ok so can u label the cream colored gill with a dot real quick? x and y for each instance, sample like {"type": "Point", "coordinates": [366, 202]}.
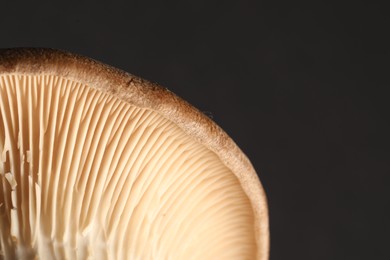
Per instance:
{"type": "Point", "coordinates": [84, 174]}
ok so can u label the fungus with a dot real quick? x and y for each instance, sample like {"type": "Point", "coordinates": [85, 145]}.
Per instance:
{"type": "Point", "coordinates": [97, 163]}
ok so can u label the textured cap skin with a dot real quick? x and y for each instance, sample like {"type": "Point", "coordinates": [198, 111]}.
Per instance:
{"type": "Point", "coordinates": [144, 94]}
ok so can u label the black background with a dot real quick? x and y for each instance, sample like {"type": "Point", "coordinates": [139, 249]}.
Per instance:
{"type": "Point", "coordinates": [301, 88]}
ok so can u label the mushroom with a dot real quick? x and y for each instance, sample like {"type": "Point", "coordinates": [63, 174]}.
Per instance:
{"type": "Point", "coordinates": [97, 163]}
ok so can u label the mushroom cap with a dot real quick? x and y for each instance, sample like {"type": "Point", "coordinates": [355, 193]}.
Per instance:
{"type": "Point", "coordinates": [128, 96]}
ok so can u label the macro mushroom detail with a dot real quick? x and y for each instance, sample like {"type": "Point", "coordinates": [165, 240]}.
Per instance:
{"type": "Point", "coordinates": [96, 163]}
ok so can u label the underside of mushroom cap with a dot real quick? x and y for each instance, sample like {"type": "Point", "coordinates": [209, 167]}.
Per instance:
{"type": "Point", "coordinates": [95, 162]}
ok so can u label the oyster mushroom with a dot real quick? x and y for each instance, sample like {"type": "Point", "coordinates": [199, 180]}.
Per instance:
{"type": "Point", "coordinates": [97, 163]}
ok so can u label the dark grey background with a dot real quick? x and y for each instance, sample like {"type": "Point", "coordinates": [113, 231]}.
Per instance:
{"type": "Point", "coordinates": [301, 87]}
